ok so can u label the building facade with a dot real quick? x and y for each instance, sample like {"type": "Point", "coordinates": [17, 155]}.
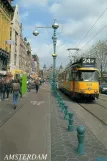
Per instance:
{"type": "Point", "coordinates": [36, 60]}
{"type": "Point", "coordinates": [28, 57]}
{"type": "Point", "coordinates": [15, 37]}
{"type": "Point", "coordinates": [22, 53]}
{"type": "Point", "coordinates": [6, 11]}
{"type": "Point", "coordinates": [25, 56]}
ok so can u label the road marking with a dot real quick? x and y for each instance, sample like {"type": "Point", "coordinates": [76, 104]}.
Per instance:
{"type": "Point", "coordinates": [37, 103]}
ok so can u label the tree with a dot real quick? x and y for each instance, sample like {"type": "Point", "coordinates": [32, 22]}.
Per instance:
{"type": "Point", "coordinates": [25, 39]}
{"type": "Point", "coordinates": [99, 51]}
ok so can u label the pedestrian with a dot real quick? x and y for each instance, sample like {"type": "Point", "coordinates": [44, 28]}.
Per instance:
{"type": "Point", "coordinates": [8, 88]}
{"type": "Point", "coordinates": [0, 89]}
{"type": "Point", "coordinates": [37, 83]}
{"type": "Point", "coordinates": [3, 88]}
{"type": "Point", "coordinates": [16, 89]}
{"type": "Point", "coordinates": [11, 82]}
{"type": "Point", "coordinates": [20, 91]}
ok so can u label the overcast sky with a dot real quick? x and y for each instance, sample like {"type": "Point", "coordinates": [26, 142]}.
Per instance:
{"type": "Point", "coordinates": [75, 18]}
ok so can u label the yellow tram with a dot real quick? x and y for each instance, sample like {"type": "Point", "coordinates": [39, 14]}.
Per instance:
{"type": "Point", "coordinates": [80, 79]}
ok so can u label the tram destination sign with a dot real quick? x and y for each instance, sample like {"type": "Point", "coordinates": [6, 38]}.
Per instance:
{"type": "Point", "coordinates": [88, 62]}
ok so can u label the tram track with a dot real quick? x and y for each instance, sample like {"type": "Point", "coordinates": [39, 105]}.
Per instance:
{"type": "Point", "coordinates": [94, 108]}
{"type": "Point", "coordinates": [103, 99]}
{"type": "Point", "coordinates": [101, 105]}
{"type": "Point", "coordinates": [94, 114]}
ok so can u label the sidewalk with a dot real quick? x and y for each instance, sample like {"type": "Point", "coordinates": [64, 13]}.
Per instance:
{"type": "Point", "coordinates": [7, 108]}
{"type": "Point", "coordinates": [64, 143]}
{"type": "Point", "coordinates": [28, 130]}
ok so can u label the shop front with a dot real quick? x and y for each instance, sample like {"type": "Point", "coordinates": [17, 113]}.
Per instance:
{"type": "Point", "coordinates": [6, 75]}
{"type": "Point", "coordinates": [4, 59]}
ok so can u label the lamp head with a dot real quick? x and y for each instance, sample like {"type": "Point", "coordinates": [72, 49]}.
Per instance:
{"type": "Point", "coordinates": [55, 25]}
{"type": "Point", "coordinates": [35, 33]}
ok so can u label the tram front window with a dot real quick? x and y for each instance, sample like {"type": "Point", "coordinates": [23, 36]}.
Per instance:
{"type": "Point", "coordinates": [88, 76]}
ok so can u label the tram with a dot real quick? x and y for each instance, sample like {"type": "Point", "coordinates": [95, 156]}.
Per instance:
{"type": "Point", "coordinates": [80, 79]}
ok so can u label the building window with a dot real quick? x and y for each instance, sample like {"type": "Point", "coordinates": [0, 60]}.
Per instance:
{"type": "Point", "coordinates": [16, 35]}
{"type": "Point", "coordinates": [16, 38]}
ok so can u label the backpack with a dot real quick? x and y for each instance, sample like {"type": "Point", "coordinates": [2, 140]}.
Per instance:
{"type": "Point", "coordinates": [16, 87]}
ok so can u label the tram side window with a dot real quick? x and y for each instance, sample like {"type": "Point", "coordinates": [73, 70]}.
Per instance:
{"type": "Point", "coordinates": [70, 75]}
{"type": "Point", "coordinates": [77, 76]}
{"type": "Point", "coordinates": [73, 75]}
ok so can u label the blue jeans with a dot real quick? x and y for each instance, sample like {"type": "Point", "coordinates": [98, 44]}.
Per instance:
{"type": "Point", "coordinates": [0, 94]}
{"type": "Point", "coordinates": [15, 97]}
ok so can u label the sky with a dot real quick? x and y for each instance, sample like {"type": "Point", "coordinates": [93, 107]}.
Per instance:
{"type": "Point", "coordinates": [75, 19]}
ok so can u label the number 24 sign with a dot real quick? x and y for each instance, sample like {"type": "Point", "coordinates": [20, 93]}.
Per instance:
{"type": "Point", "coordinates": [88, 60]}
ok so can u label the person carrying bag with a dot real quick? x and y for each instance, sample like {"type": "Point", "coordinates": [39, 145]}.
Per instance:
{"type": "Point", "coordinates": [16, 90]}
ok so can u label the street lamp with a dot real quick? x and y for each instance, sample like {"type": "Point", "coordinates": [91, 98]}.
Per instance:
{"type": "Point", "coordinates": [54, 38]}
{"type": "Point", "coordinates": [35, 33]}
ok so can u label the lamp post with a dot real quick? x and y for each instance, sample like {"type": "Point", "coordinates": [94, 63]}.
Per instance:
{"type": "Point", "coordinates": [54, 38]}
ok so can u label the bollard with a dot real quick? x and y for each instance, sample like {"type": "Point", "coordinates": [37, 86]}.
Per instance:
{"type": "Point", "coordinates": [71, 120]}
{"type": "Point", "coordinates": [81, 136]}
{"type": "Point", "coordinates": [60, 100]}
{"type": "Point", "coordinates": [61, 105]}
{"type": "Point", "coordinates": [66, 112]}
{"type": "Point", "coordinates": [63, 108]}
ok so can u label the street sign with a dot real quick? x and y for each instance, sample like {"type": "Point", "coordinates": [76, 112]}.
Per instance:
{"type": "Point", "coordinates": [10, 42]}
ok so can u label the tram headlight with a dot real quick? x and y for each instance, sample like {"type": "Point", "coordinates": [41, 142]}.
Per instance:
{"type": "Point", "coordinates": [96, 91]}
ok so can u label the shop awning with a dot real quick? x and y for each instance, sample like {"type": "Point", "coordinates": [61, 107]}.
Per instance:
{"type": "Point", "coordinates": [18, 71]}
{"type": "Point", "coordinates": [2, 72]}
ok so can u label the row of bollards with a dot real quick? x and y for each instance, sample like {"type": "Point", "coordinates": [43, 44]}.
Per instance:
{"type": "Point", "coordinates": [70, 117]}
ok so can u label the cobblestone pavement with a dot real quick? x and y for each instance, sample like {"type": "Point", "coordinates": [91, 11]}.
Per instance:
{"type": "Point", "coordinates": [64, 143]}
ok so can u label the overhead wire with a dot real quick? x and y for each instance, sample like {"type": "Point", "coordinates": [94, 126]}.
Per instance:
{"type": "Point", "coordinates": [89, 29]}
{"type": "Point", "coordinates": [94, 36]}
{"type": "Point", "coordinates": [92, 26]}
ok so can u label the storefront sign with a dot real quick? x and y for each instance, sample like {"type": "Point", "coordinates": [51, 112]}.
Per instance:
{"type": "Point", "coordinates": [10, 42]}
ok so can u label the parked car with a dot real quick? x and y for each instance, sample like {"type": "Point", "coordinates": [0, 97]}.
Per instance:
{"type": "Point", "coordinates": [103, 88]}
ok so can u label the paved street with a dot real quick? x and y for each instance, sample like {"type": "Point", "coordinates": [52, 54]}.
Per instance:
{"type": "Point", "coordinates": [38, 127]}
{"type": "Point", "coordinates": [27, 131]}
